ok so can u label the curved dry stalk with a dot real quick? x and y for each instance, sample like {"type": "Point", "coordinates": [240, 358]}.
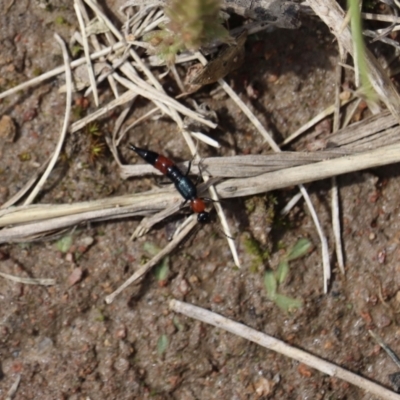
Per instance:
{"type": "Point", "coordinates": [281, 347]}
{"type": "Point", "coordinates": [64, 129]}
{"type": "Point", "coordinates": [17, 196]}
{"type": "Point", "coordinates": [155, 260]}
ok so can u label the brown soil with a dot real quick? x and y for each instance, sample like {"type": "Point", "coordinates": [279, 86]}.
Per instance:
{"type": "Point", "coordinates": [68, 344]}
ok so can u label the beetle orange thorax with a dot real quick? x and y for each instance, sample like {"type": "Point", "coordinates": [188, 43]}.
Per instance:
{"type": "Point", "coordinates": [162, 163]}
{"type": "Point", "coordinates": [197, 205]}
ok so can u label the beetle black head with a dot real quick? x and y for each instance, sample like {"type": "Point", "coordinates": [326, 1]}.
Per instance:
{"type": "Point", "coordinates": [203, 217]}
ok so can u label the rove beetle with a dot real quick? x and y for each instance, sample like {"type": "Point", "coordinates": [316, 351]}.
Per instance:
{"type": "Point", "coordinates": [183, 184]}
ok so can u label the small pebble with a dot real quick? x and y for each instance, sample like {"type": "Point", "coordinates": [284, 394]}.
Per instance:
{"type": "Point", "coordinates": [262, 387]}
{"type": "Point", "coordinates": [7, 129]}
{"type": "Point", "coordinates": [75, 276]}
{"type": "Point", "coordinates": [184, 286]}
{"type": "Point", "coordinates": [372, 236]}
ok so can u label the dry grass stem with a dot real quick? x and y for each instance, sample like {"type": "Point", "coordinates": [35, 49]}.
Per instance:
{"type": "Point", "coordinates": [64, 128]}
{"type": "Point", "coordinates": [326, 266]}
{"type": "Point", "coordinates": [281, 347]}
{"type": "Point", "coordinates": [148, 222]}
{"type": "Point", "coordinates": [352, 110]}
{"type": "Point", "coordinates": [380, 17]}
{"type": "Point", "coordinates": [52, 217]}
{"type": "Point", "coordinates": [308, 173]}
{"type": "Point", "coordinates": [13, 390]}
{"type": "Point", "coordinates": [351, 136]}
{"type": "Point", "coordinates": [205, 139]}
{"type": "Point", "coordinates": [335, 204]}
{"type": "Point", "coordinates": [337, 230]}
{"type": "Point", "coordinates": [155, 260]}
{"type": "Point", "coordinates": [145, 202]}
{"type": "Point", "coordinates": [387, 349]}
{"type": "Point", "coordinates": [293, 201]}
{"type": "Point", "coordinates": [29, 281]}
{"type": "Point", "coordinates": [159, 98]}
{"type": "Point", "coordinates": [78, 5]}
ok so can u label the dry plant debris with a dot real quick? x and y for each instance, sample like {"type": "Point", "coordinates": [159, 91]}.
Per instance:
{"type": "Point", "coordinates": [113, 54]}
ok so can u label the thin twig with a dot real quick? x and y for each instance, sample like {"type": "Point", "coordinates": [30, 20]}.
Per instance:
{"type": "Point", "coordinates": [13, 390]}
{"type": "Point", "coordinates": [326, 266]}
{"type": "Point", "coordinates": [380, 17]}
{"type": "Point", "coordinates": [17, 196]}
{"type": "Point", "coordinates": [155, 260]}
{"type": "Point", "coordinates": [281, 347]}
{"type": "Point", "coordinates": [29, 281]}
{"type": "Point", "coordinates": [385, 347]}
{"type": "Point", "coordinates": [122, 99]}
{"type": "Point", "coordinates": [335, 205]}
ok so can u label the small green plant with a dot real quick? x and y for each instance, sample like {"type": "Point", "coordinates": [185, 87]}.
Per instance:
{"type": "Point", "coordinates": [59, 20]}
{"type": "Point", "coordinates": [162, 270]}
{"type": "Point", "coordinates": [272, 279]}
{"type": "Point", "coordinates": [359, 49]}
{"type": "Point", "coordinates": [162, 344]}
{"type": "Point", "coordinates": [193, 23]}
{"type": "Point", "coordinates": [64, 244]}
{"type": "Point", "coordinates": [97, 147]}
{"type": "Point", "coordinates": [25, 156]}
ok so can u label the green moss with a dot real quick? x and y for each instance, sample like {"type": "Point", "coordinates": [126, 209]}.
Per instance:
{"type": "Point", "coordinates": [25, 156]}
{"type": "Point", "coordinates": [37, 71]}
{"type": "Point", "coordinates": [59, 20]}
{"type": "Point", "coordinates": [253, 247]}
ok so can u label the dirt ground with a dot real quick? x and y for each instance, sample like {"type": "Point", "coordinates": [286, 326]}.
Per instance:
{"type": "Point", "coordinates": [66, 343]}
